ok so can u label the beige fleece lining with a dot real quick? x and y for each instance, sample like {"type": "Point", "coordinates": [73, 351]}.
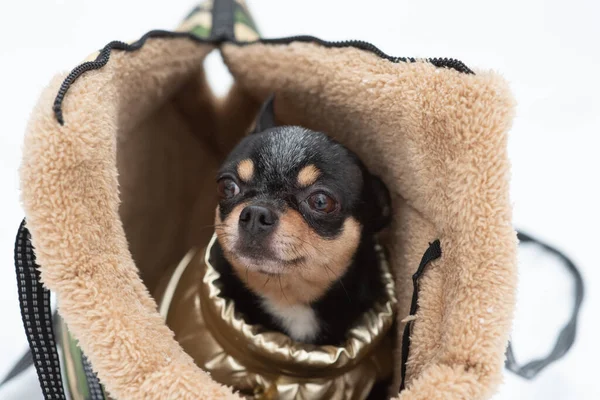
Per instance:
{"type": "Point", "coordinates": [128, 183]}
{"type": "Point", "coordinates": [437, 139]}
{"type": "Point", "coordinates": [71, 198]}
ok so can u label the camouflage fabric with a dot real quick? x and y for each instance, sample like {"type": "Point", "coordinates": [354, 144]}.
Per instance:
{"type": "Point", "coordinates": [73, 367]}
{"type": "Point", "coordinates": [245, 28]}
{"type": "Point", "coordinates": [199, 21]}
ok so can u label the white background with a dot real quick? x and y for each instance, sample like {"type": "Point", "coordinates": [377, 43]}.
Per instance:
{"type": "Point", "coordinates": [547, 50]}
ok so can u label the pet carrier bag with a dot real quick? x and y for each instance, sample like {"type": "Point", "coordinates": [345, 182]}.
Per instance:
{"type": "Point", "coordinates": [118, 185]}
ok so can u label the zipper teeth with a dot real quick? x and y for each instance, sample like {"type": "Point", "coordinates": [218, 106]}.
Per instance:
{"type": "Point", "coordinates": [444, 62]}
{"type": "Point", "coordinates": [102, 59]}
{"type": "Point", "coordinates": [104, 55]}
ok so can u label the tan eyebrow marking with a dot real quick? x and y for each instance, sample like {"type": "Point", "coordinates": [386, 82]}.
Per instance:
{"type": "Point", "coordinates": [245, 169]}
{"type": "Point", "coordinates": [308, 175]}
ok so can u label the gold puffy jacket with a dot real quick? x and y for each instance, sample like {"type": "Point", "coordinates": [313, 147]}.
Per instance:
{"type": "Point", "coordinates": [269, 365]}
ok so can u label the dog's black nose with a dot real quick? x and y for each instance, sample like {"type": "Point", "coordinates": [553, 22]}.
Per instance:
{"type": "Point", "coordinates": [258, 219]}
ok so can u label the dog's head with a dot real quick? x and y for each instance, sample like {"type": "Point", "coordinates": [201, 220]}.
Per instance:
{"type": "Point", "coordinates": [294, 204]}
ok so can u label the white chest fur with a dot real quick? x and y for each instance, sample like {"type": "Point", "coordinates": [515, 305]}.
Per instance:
{"type": "Point", "coordinates": [298, 321]}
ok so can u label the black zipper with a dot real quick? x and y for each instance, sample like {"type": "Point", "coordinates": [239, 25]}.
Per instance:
{"type": "Point", "coordinates": [102, 59]}
{"type": "Point", "coordinates": [450, 63]}
{"type": "Point", "coordinates": [104, 55]}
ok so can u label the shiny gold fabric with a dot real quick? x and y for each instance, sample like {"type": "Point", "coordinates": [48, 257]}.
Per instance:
{"type": "Point", "coordinates": [270, 365]}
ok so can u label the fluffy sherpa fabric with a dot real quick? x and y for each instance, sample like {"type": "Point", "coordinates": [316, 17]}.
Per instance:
{"type": "Point", "coordinates": [437, 139]}
{"type": "Point", "coordinates": [125, 187]}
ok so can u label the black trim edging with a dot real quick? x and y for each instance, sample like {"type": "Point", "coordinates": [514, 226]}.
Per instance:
{"type": "Point", "coordinates": [218, 36]}
{"type": "Point", "coordinates": [102, 59]}
{"type": "Point", "coordinates": [449, 63]}
{"type": "Point", "coordinates": [433, 252]}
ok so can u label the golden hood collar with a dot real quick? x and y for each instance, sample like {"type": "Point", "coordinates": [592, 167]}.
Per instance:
{"type": "Point", "coordinates": [270, 365]}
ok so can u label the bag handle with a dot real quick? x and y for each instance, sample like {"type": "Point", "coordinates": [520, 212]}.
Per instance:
{"type": "Point", "coordinates": [40, 327]}
{"type": "Point", "coordinates": [530, 370]}
{"type": "Point", "coordinates": [566, 336]}
{"type": "Point", "coordinates": [37, 317]}
{"type": "Point", "coordinates": [34, 300]}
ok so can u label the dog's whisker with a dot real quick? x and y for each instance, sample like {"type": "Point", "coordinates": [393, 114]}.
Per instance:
{"type": "Point", "coordinates": [215, 226]}
{"type": "Point", "coordinates": [327, 268]}
{"type": "Point", "coordinates": [281, 287]}
{"type": "Point", "coordinates": [321, 252]}
{"type": "Point", "coordinates": [340, 282]}
{"type": "Point", "coordinates": [267, 281]}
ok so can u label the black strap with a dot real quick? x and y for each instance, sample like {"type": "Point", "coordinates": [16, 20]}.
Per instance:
{"type": "Point", "coordinates": [21, 366]}
{"type": "Point", "coordinates": [26, 359]}
{"type": "Point", "coordinates": [38, 321]}
{"type": "Point", "coordinates": [40, 328]}
{"type": "Point", "coordinates": [223, 20]}
{"type": "Point", "coordinates": [95, 391]}
{"type": "Point", "coordinates": [34, 300]}
{"type": "Point", "coordinates": [433, 252]}
{"type": "Point", "coordinates": [566, 337]}
{"type": "Point", "coordinates": [530, 370]}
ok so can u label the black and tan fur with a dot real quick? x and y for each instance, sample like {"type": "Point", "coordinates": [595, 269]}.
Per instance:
{"type": "Point", "coordinates": [293, 260]}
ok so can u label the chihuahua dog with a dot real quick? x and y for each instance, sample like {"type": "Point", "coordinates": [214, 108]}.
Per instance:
{"type": "Point", "coordinates": [296, 225]}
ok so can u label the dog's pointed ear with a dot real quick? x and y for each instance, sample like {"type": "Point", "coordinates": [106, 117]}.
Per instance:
{"type": "Point", "coordinates": [266, 117]}
{"type": "Point", "coordinates": [382, 201]}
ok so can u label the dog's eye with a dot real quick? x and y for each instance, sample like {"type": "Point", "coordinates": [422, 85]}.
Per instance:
{"type": "Point", "coordinates": [227, 188]}
{"type": "Point", "coordinates": [322, 203]}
